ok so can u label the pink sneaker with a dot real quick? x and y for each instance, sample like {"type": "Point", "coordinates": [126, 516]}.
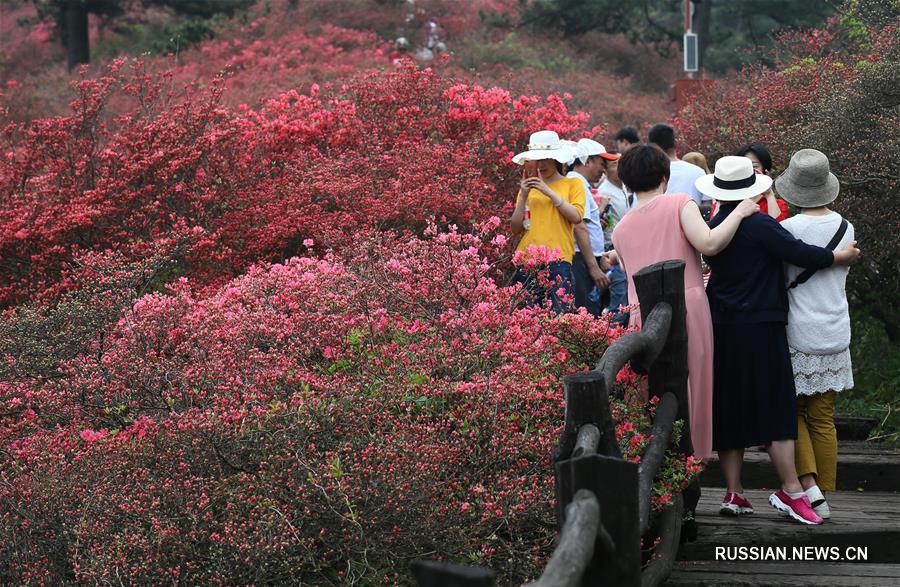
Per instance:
{"type": "Point", "coordinates": [735, 505]}
{"type": "Point", "coordinates": [799, 508]}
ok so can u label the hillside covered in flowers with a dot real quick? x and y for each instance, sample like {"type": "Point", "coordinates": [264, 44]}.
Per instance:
{"type": "Point", "coordinates": [258, 324]}
{"type": "Point", "coordinates": [258, 320]}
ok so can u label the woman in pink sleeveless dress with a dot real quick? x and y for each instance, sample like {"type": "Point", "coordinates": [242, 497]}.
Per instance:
{"type": "Point", "coordinates": [662, 227]}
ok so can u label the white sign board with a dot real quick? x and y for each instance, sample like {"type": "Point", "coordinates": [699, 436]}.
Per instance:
{"type": "Point", "coordinates": [691, 52]}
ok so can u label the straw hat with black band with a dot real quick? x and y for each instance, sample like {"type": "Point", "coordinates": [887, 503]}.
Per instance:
{"type": "Point", "coordinates": [733, 180]}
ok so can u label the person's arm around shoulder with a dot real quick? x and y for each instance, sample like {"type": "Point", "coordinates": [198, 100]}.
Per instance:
{"type": "Point", "coordinates": [783, 245]}
{"type": "Point", "coordinates": [775, 208]}
{"type": "Point", "coordinates": [848, 255]}
{"type": "Point", "coordinates": [708, 241]}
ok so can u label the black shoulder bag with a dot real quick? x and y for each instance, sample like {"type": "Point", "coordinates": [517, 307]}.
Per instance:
{"type": "Point", "coordinates": [804, 277]}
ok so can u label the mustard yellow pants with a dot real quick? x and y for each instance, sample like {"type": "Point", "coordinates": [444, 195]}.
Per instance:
{"type": "Point", "coordinates": [815, 451]}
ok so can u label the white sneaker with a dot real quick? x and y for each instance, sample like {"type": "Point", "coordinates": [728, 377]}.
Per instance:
{"type": "Point", "coordinates": [823, 510]}
{"type": "Point", "coordinates": [817, 500]}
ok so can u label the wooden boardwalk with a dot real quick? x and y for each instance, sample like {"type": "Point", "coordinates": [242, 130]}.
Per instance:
{"type": "Point", "coordinates": [865, 522]}
{"type": "Point", "coordinates": [861, 466]}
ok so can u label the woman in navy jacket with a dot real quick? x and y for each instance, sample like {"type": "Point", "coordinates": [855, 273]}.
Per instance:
{"type": "Point", "coordinates": [754, 402]}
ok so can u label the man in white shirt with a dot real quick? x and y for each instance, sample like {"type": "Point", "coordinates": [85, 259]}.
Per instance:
{"type": "Point", "coordinates": [621, 200]}
{"type": "Point", "coordinates": [613, 189]}
{"type": "Point", "coordinates": [587, 165]}
{"type": "Point", "coordinates": [682, 174]}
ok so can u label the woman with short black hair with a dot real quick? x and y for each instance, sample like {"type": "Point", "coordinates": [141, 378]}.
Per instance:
{"type": "Point", "coordinates": [664, 226]}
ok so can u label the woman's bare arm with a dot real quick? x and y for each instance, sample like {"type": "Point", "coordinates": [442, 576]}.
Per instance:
{"type": "Point", "coordinates": [711, 241]}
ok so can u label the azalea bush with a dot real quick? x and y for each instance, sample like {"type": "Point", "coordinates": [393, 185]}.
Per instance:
{"type": "Point", "coordinates": [258, 323]}
{"type": "Point", "coordinates": [136, 161]}
{"type": "Point", "coordinates": [323, 420]}
{"type": "Point", "coordinates": [276, 48]}
{"type": "Point", "coordinates": [634, 420]}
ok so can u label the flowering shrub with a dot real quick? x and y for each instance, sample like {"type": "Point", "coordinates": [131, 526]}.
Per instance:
{"type": "Point", "coordinates": [322, 420]}
{"type": "Point", "coordinates": [385, 151]}
{"type": "Point", "coordinates": [633, 417]}
{"type": "Point", "coordinates": [832, 90]}
{"type": "Point", "coordinates": [276, 49]}
{"type": "Point", "coordinates": [255, 327]}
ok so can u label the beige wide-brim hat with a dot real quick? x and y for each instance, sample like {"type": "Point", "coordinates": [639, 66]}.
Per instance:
{"type": "Point", "coordinates": [544, 144]}
{"type": "Point", "coordinates": [808, 181]}
{"type": "Point", "coordinates": [733, 180]}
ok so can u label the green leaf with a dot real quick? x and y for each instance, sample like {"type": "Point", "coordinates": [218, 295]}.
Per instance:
{"type": "Point", "coordinates": [336, 470]}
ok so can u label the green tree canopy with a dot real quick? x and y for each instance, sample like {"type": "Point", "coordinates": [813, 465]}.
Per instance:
{"type": "Point", "coordinates": [70, 17]}
{"type": "Point", "coordinates": [728, 30]}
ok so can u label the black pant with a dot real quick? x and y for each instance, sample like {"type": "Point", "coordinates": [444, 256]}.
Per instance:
{"type": "Point", "coordinates": [584, 284]}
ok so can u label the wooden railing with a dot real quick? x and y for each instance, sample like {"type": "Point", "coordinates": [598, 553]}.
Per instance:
{"type": "Point", "coordinates": [603, 501]}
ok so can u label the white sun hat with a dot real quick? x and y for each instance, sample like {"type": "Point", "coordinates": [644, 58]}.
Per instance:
{"type": "Point", "coordinates": [576, 152]}
{"type": "Point", "coordinates": [733, 180]}
{"type": "Point", "coordinates": [591, 147]}
{"type": "Point", "coordinates": [544, 144]}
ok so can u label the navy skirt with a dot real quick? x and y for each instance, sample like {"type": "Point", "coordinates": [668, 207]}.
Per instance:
{"type": "Point", "coordinates": [754, 401]}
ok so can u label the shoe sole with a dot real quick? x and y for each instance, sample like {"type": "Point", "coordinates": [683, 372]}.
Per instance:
{"type": "Point", "coordinates": [783, 507]}
{"type": "Point", "coordinates": [734, 510]}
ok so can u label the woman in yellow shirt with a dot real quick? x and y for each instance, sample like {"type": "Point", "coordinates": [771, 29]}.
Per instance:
{"type": "Point", "coordinates": [548, 207]}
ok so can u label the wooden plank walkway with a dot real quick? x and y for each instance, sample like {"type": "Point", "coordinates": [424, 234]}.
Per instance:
{"type": "Point", "coordinates": [858, 519]}
{"type": "Point", "coordinates": [703, 574]}
{"type": "Point", "coordinates": [861, 519]}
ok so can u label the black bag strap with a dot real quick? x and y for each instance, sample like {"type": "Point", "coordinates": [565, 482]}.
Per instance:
{"type": "Point", "coordinates": [804, 277]}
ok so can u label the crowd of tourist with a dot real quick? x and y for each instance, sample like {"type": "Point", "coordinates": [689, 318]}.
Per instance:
{"type": "Point", "coordinates": [767, 318]}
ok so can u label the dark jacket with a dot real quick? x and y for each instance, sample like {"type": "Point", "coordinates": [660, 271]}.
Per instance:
{"type": "Point", "coordinates": [747, 281]}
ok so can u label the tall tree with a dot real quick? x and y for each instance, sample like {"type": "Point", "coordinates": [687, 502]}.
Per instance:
{"type": "Point", "coordinates": [70, 17]}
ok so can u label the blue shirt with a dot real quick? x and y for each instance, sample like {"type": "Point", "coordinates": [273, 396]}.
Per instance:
{"type": "Point", "coordinates": [747, 280]}
{"type": "Point", "coordinates": [591, 217]}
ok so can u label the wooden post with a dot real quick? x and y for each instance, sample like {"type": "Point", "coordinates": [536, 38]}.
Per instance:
{"type": "Point", "coordinates": [639, 349]}
{"type": "Point", "coordinates": [576, 543]}
{"type": "Point", "coordinates": [664, 282]}
{"type": "Point", "coordinates": [654, 455]}
{"type": "Point", "coordinates": [587, 402]}
{"type": "Point", "coordinates": [614, 482]}
{"type": "Point", "coordinates": [667, 550]}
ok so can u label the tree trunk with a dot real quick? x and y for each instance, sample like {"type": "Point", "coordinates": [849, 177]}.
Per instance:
{"type": "Point", "coordinates": [76, 33]}
{"type": "Point", "coordinates": [700, 26]}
